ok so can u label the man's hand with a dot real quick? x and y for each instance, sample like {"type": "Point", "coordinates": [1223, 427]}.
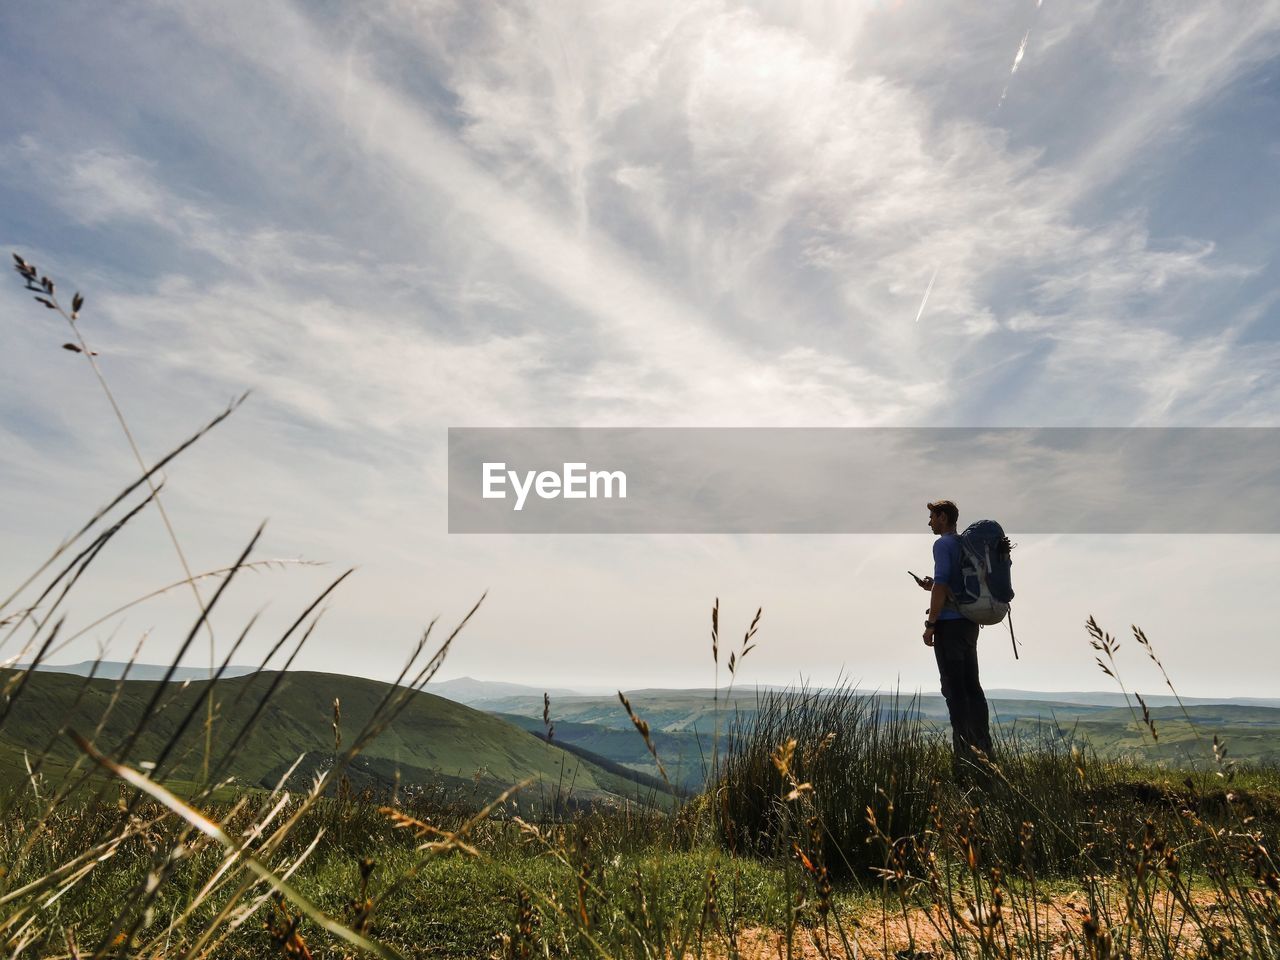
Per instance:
{"type": "Point", "coordinates": [926, 583]}
{"type": "Point", "coordinates": [928, 636]}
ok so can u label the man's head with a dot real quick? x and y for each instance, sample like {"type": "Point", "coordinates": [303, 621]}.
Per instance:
{"type": "Point", "coordinates": [943, 515]}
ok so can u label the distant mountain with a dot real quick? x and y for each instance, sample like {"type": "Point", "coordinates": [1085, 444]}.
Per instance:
{"type": "Point", "coordinates": [1100, 698]}
{"type": "Point", "coordinates": [469, 690]}
{"type": "Point", "coordinates": [114, 670]}
{"type": "Point", "coordinates": [673, 710]}
{"type": "Point", "coordinates": [684, 723]}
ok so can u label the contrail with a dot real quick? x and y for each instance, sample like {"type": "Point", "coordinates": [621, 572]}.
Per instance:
{"type": "Point", "coordinates": [1022, 49]}
{"type": "Point", "coordinates": [1017, 59]}
{"type": "Point", "coordinates": [920, 312]}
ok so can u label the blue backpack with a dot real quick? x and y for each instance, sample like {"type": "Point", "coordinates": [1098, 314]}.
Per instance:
{"type": "Point", "coordinates": [986, 584]}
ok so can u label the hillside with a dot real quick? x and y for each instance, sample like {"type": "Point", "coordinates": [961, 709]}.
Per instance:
{"type": "Point", "coordinates": [434, 740]}
{"type": "Point", "coordinates": [670, 711]}
{"type": "Point", "coordinates": [684, 721]}
{"type": "Point", "coordinates": [684, 755]}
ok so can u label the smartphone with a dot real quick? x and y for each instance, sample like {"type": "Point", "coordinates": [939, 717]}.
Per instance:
{"type": "Point", "coordinates": [916, 579]}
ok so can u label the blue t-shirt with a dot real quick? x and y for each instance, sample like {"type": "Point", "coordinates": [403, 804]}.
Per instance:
{"type": "Point", "coordinates": [946, 569]}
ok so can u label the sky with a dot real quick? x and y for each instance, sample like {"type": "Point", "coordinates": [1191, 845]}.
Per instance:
{"type": "Point", "coordinates": [391, 218]}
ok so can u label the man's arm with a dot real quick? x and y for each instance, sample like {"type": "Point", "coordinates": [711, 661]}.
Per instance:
{"type": "Point", "coordinates": [937, 600]}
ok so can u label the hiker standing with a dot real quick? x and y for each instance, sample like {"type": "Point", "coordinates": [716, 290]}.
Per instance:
{"type": "Point", "coordinates": [954, 639]}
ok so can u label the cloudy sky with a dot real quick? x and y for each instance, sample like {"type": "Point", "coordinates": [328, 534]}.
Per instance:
{"type": "Point", "coordinates": [390, 218]}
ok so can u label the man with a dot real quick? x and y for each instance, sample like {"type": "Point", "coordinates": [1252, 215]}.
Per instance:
{"type": "Point", "coordinates": [954, 639]}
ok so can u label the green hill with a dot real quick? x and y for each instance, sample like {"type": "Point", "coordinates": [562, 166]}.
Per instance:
{"type": "Point", "coordinates": [432, 741]}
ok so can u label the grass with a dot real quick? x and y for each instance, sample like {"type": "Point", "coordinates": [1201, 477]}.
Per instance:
{"type": "Point", "coordinates": [456, 904]}
{"type": "Point", "coordinates": [830, 824]}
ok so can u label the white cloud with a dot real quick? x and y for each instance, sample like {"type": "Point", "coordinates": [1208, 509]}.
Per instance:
{"type": "Point", "coordinates": [803, 200]}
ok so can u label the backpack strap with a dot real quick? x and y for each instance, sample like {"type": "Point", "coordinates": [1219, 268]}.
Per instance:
{"type": "Point", "coordinates": [1012, 638]}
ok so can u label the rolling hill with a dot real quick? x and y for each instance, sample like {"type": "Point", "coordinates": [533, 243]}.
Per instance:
{"type": "Point", "coordinates": [432, 741]}
{"type": "Point", "coordinates": [441, 743]}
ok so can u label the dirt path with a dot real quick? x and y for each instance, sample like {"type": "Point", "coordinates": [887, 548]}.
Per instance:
{"type": "Point", "coordinates": [1062, 927]}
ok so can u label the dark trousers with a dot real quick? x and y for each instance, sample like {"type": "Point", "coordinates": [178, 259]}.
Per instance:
{"type": "Point", "coordinates": [955, 645]}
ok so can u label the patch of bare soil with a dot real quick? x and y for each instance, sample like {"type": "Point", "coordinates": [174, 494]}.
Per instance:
{"type": "Point", "coordinates": [1062, 926]}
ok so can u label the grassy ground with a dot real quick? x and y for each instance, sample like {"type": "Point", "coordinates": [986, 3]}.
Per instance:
{"type": "Point", "coordinates": [838, 826]}
{"type": "Point", "coordinates": [447, 903]}
{"type": "Point", "coordinates": [426, 878]}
